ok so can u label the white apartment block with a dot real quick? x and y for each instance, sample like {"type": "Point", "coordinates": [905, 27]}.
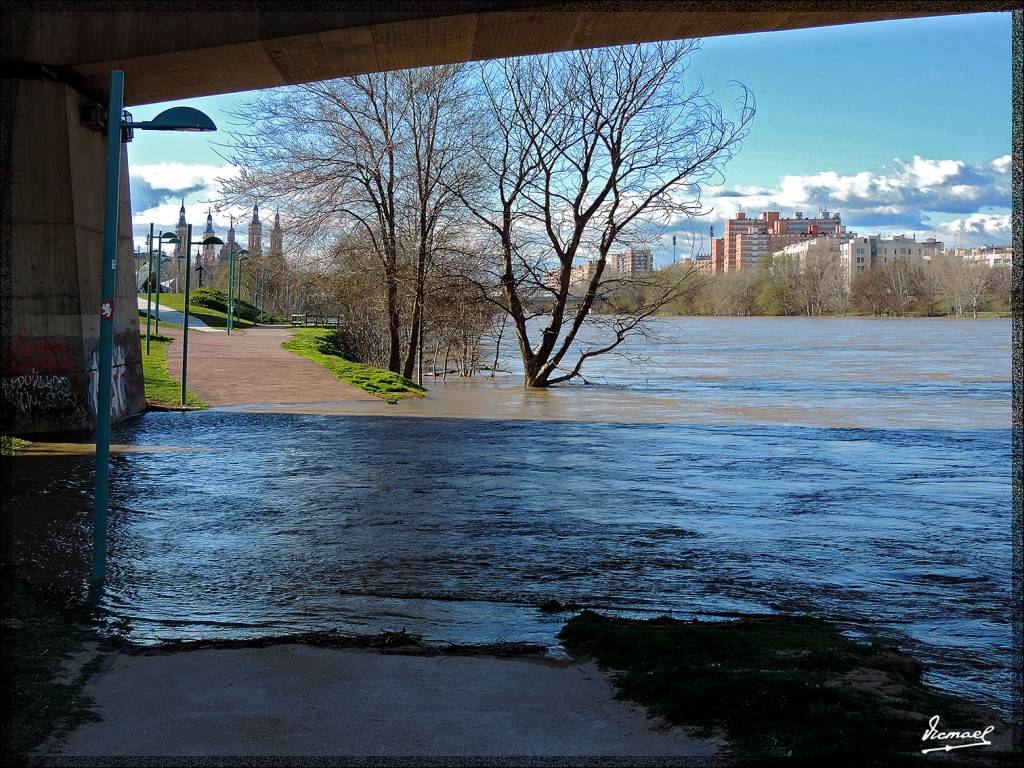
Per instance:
{"type": "Point", "coordinates": [993, 255]}
{"type": "Point", "coordinates": [857, 253]}
{"type": "Point", "coordinates": [632, 262]}
{"type": "Point", "coordinates": [826, 245]}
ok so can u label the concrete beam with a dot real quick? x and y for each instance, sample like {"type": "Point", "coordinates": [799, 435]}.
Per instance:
{"type": "Point", "coordinates": [174, 54]}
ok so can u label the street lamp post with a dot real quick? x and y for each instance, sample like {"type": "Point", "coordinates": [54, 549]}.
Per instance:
{"type": "Point", "coordinates": [212, 240]}
{"type": "Point", "coordinates": [242, 258]}
{"type": "Point", "coordinates": [263, 292]}
{"type": "Point", "coordinates": [119, 128]}
{"type": "Point", "coordinates": [149, 288]}
{"type": "Point", "coordinates": [171, 239]}
{"type": "Point", "coordinates": [231, 285]}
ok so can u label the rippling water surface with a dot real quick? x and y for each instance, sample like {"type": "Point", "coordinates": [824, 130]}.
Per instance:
{"type": "Point", "coordinates": [856, 469]}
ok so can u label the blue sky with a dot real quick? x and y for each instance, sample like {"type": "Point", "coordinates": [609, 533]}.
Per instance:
{"type": "Point", "coordinates": [902, 127]}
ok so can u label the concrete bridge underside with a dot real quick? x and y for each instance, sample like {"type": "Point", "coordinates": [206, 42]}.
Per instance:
{"type": "Point", "coordinates": [57, 62]}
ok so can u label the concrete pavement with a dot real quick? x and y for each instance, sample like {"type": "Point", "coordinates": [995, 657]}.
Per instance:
{"type": "Point", "coordinates": [307, 703]}
{"type": "Point", "coordinates": [166, 315]}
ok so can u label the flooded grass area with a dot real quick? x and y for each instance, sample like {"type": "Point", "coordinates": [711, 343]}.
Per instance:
{"type": "Point", "coordinates": [784, 690]}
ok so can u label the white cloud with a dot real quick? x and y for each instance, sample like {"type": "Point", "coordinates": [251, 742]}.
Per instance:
{"type": "Point", "coordinates": [909, 196]}
{"type": "Point", "coordinates": [1002, 164]}
{"type": "Point", "coordinates": [993, 227]}
{"type": "Point", "coordinates": [930, 173]}
{"type": "Point", "coordinates": [178, 176]}
{"type": "Point", "coordinates": [158, 190]}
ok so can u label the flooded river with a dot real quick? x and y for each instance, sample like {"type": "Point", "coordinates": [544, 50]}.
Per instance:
{"type": "Point", "coordinates": [857, 469]}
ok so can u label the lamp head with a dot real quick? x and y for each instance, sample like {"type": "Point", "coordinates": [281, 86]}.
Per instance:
{"type": "Point", "coordinates": [171, 238]}
{"type": "Point", "coordinates": [212, 240]}
{"type": "Point", "coordinates": [178, 119]}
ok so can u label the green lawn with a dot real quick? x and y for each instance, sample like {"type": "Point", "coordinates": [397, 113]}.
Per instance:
{"type": "Point", "coordinates": [316, 344]}
{"type": "Point", "coordinates": [212, 317]}
{"type": "Point", "coordinates": [161, 390]}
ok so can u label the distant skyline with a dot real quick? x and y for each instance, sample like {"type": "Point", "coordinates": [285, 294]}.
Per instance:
{"type": "Point", "coordinates": [902, 127]}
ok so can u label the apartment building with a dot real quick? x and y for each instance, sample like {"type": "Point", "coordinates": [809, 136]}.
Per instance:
{"type": "Point", "coordinates": [856, 253]}
{"type": "Point", "coordinates": [993, 255]}
{"type": "Point", "coordinates": [877, 252]}
{"type": "Point", "coordinates": [747, 241]}
{"type": "Point", "coordinates": [632, 262]}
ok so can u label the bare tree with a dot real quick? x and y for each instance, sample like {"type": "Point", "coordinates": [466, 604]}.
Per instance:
{"type": "Point", "coordinates": [587, 149]}
{"type": "Point", "coordinates": [900, 280]}
{"type": "Point", "coordinates": [964, 283]}
{"type": "Point", "coordinates": [361, 159]}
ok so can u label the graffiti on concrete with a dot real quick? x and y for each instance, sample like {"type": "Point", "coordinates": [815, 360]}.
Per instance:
{"type": "Point", "coordinates": [34, 397]}
{"type": "Point", "coordinates": [118, 384]}
{"type": "Point", "coordinates": [29, 354]}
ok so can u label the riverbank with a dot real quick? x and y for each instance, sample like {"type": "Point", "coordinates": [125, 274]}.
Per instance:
{"type": "Point", "coordinates": [752, 691]}
{"type": "Point", "coordinates": [312, 698]}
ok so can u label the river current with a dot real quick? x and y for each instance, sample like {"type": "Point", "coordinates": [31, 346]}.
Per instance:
{"type": "Point", "coordinates": [856, 469]}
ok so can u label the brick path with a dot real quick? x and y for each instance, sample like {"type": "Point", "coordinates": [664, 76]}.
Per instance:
{"type": "Point", "coordinates": [250, 368]}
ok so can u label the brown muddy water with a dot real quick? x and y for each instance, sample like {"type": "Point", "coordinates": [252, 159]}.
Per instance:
{"type": "Point", "coordinates": [856, 469]}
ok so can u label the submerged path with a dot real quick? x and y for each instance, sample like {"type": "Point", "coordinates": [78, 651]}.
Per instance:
{"type": "Point", "coordinates": [251, 368]}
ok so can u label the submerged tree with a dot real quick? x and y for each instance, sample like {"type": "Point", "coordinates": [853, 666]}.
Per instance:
{"type": "Point", "coordinates": [587, 150]}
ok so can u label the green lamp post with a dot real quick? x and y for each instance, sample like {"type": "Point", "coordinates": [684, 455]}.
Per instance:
{"type": "Point", "coordinates": [231, 285]}
{"type": "Point", "coordinates": [119, 129]}
{"type": "Point", "coordinates": [242, 259]}
{"type": "Point", "coordinates": [171, 239]}
{"type": "Point", "coordinates": [212, 240]}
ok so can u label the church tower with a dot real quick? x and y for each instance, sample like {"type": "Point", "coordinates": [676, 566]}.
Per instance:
{"type": "Point", "coordinates": [255, 234]}
{"type": "Point", "coordinates": [276, 252]}
{"type": "Point", "coordinates": [229, 244]}
{"type": "Point", "coordinates": [208, 254]}
{"type": "Point", "coordinates": [181, 231]}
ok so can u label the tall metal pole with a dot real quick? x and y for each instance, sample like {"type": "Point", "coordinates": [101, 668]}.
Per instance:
{"type": "Point", "coordinates": [231, 284]}
{"type": "Point", "coordinates": [184, 333]}
{"type": "Point", "coordinates": [241, 266]}
{"type": "Point", "coordinates": [105, 355]}
{"type": "Point", "coordinates": [263, 294]}
{"type": "Point", "coordinates": [149, 288]}
{"type": "Point", "coordinates": [159, 259]}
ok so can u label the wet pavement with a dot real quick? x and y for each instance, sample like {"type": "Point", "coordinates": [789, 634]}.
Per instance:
{"type": "Point", "coordinates": [304, 702]}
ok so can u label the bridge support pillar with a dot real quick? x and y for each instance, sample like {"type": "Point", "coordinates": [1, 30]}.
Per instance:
{"type": "Point", "coordinates": [52, 248]}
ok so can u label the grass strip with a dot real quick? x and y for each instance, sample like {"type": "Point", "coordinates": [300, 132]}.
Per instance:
{"type": "Point", "coordinates": [163, 392]}
{"type": "Point", "coordinates": [11, 445]}
{"type": "Point", "coordinates": [317, 344]}
{"type": "Point", "coordinates": [212, 317]}
{"type": "Point", "coordinates": [40, 698]}
{"type": "Point", "coordinates": [785, 690]}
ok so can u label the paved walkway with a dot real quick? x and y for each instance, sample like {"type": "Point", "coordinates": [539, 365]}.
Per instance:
{"type": "Point", "coordinates": [251, 368]}
{"type": "Point", "coordinates": [308, 704]}
{"type": "Point", "coordinates": [166, 315]}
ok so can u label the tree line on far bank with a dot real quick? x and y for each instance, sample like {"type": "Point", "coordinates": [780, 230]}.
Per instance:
{"type": "Point", "coordinates": [778, 286]}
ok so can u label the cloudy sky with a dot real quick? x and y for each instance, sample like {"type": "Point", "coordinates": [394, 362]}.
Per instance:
{"type": "Point", "coordinates": [902, 127]}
